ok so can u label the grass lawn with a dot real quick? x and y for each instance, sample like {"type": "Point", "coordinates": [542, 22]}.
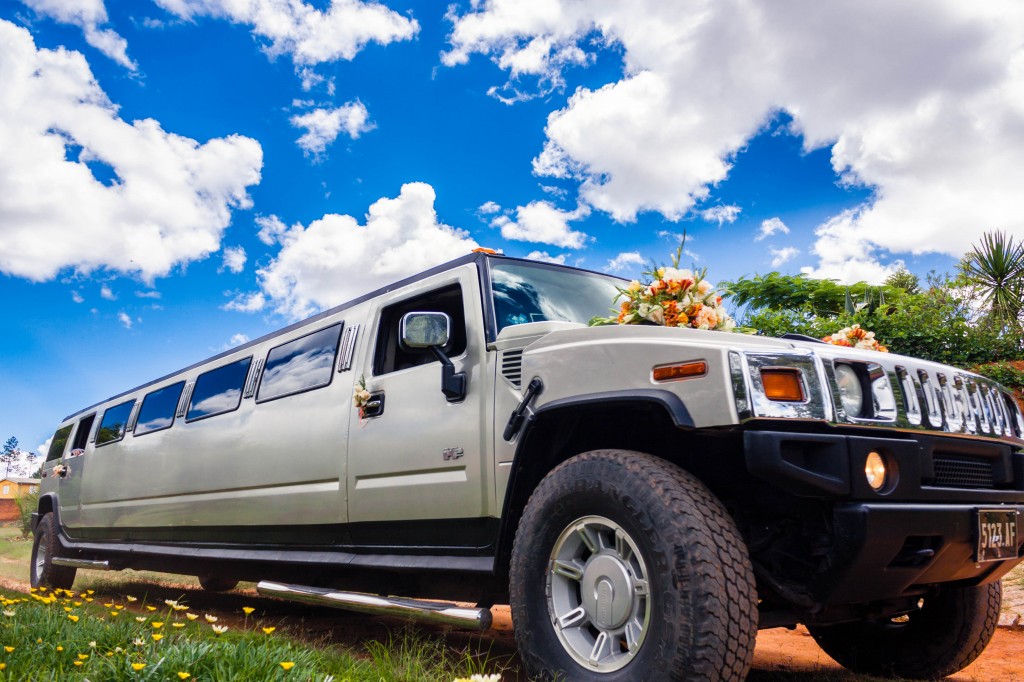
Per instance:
{"type": "Point", "coordinates": [72, 635]}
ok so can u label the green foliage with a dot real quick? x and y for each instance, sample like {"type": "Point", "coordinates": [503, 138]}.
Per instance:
{"type": "Point", "coordinates": [938, 323]}
{"type": "Point", "coordinates": [904, 279]}
{"type": "Point", "coordinates": [1004, 372]}
{"type": "Point", "coordinates": [26, 505]}
{"type": "Point", "coordinates": [996, 268]}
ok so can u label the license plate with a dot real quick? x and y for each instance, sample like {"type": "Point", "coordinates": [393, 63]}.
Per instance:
{"type": "Point", "coordinates": [997, 535]}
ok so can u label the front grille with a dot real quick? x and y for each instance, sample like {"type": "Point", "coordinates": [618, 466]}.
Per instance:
{"type": "Point", "coordinates": [962, 471]}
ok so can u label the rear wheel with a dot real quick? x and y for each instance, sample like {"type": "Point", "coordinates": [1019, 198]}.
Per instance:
{"type": "Point", "coordinates": [949, 630]}
{"type": "Point", "coordinates": [44, 548]}
{"type": "Point", "coordinates": [626, 567]}
{"type": "Point", "coordinates": [213, 583]}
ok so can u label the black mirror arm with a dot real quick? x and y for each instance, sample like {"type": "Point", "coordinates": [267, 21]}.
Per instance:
{"type": "Point", "coordinates": [453, 384]}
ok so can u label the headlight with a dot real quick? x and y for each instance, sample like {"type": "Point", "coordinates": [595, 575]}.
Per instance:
{"type": "Point", "coordinates": [851, 391]}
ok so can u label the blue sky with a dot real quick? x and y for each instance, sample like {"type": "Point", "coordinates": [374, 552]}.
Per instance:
{"type": "Point", "coordinates": [177, 176]}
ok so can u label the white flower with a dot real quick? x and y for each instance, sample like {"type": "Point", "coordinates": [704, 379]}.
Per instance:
{"type": "Point", "coordinates": [704, 287]}
{"type": "Point", "coordinates": [634, 287]}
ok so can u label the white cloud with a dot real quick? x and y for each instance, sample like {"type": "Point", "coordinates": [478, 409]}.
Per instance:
{"type": "Point", "coordinates": [234, 259]}
{"type": "Point", "coordinates": [488, 208]}
{"type": "Point", "coordinates": [148, 294]}
{"type": "Point", "coordinates": [783, 255]}
{"type": "Point", "coordinates": [845, 255]}
{"type": "Point", "coordinates": [76, 297]}
{"type": "Point", "coordinates": [107, 293]}
{"type": "Point", "coordinates": [922, 101]}
{"type": "Point", "coordinates": [44, 449]}
{"type": "Point", "coordinates": [271, 229]}
{"type": "Point", "coordinates": [169, 203]}
{"type": "Point", "coordinates": [542, 222]}
{"type": "Point", "coordinates": [324, 125]}
{"type": "Point", "coordinates": [124, 319]}
{"type": "Point", "coordinates": [721, 214]}
{"type": "Point", "coordinates": [335, 258]}
{"type": "Point", "coordinates": [624, 260]}
{"type": "Point", "coordinates": [545, 257]}
{"type": "Point", "coordinates": [89, 15]}
{"type": "Point", "coordinates": [770, 227]}
{"type": "Point", "coordinates": [309, 35]}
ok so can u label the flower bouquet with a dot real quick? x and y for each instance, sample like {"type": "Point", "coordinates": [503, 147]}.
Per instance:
{"type": "Point", "coordinates": [673, 297]}
{"type": "Point", "coordinates": [855, 337]}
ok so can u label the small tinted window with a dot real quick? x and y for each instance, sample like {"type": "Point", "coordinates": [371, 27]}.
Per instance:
{"type": "Point", "coordinates": [219, 390]}
{"type": "Point", "coordinates": [300, 365]}
{"type": "Point", "coordinates": [158, 409]}
{"type": "Point", "coordinates": [114, 421]}
{"type": "Point", "coordinates": [57, 443]}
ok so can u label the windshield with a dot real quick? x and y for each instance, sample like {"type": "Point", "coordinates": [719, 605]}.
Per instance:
{"type": "Point", "coordinates": [525, 292]}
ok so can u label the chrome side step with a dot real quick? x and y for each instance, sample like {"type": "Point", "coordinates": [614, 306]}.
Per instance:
{"type": "Point", "coordinates": [431, 612]}
{"type": "Point", "coordinates": [82, 563]}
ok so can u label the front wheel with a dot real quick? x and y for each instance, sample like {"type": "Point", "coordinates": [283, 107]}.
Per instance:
{"type": "Point", "coordinates": [626, 567]}
{"type": "Point", "coordinates": [949, 630]}
{"type": "Point", "coordinates": [44, 548]}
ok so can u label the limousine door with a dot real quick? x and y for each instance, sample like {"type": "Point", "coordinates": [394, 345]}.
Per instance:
{"type": "Point", "coordinates": [415, 456]}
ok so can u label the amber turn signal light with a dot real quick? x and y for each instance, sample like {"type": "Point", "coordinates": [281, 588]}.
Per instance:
{"type": "Point", "coordinates": [683, 370]}
{"type": "Point", "coordinates": [782, 384]}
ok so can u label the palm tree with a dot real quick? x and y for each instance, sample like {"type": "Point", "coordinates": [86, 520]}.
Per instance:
{"type": "Point", "coordinates": [996, 267]}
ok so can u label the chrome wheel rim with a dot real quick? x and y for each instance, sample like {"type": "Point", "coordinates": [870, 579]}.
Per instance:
{"type": "Point", "coordinates": [598, 594]}
{"type": "Point", "coordinates": [40, 564]}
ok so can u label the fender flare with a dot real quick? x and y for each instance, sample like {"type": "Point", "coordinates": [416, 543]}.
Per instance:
{"type": "Point", "coordinates": [671, 403]}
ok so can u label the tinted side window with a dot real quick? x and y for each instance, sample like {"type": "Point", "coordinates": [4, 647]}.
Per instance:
{"type": "Point", "coordinates": [219, 390]}
{"type": "Point", "coordinates": [300, 365]}
{"type": "Point", "coordinates": [113, 423]}
{"type": "Point", "coordinates": [60, 439]}
{"type": "Point", "coordinates": [158, 409]}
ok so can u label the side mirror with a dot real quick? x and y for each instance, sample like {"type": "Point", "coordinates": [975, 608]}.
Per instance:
{"type": "Point", "coordinates": [425, 330]}
{"type": "Point", "coordinates": [432, 331]}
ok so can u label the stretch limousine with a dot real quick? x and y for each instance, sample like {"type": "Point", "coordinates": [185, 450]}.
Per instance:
{"type": "Point", "coordinates": [644, 497]}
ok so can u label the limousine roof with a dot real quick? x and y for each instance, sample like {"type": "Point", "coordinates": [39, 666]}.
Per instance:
{"type": "Point", "coordinates": [474, 257]}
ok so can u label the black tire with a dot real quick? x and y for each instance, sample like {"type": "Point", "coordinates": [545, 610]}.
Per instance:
{"type": "Point", "coordinates": [950, 630]}
{"type": "Point", "coordinates": [213, 583]}
{"type": "Point", "coordinates": [45, 546]}
{"type": "Point", "coordinates": [698, 620]}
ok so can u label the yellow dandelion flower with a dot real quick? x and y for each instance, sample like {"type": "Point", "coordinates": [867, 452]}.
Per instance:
{"type": "Point", "coordinates": [177, 625]}
{"type": "Point", "coordinates": [8, 649]}
{"type": "Point", "coordinates": [73, 618]}
{"type": "Point", "coordinates": [183, 675]}
{"type": "Point", "coordinates": [191, 616]}
{"type": "Point", "coordinates": [110, 654]}
{"type": "Point", "coordinates": [76, 603]}
{"type": "Point", "coordinates": [68, 609]}
{"type": "Point", "coordinates": [118, 606]}
{"type": "Point", "coordinates": [287, 665]}
{"type": "Point", "coordinates": [156, 636]}
{"type": "Point", "coordinates": [115, 613]}
{"type": "Point", "coordinates": [248, 609]}
{"type": "Point", "coordinates": [91, 591]}
{"type": "Point", "coordinates": [83, 657]}
{"type": "Point", "coordinates": [138, 666]}
{"type": "Point", "coordinates": [210, 619]}
{"type": "Point", "coordinates": [180, 607]}
{"type": "Point", "coordinates": [89, 600]}
{"type": "Point", "coordinates": [60, 648]}
{"type": "Point", "coordinates": [130, 598]}
{"type": "Point", "coordinates": [150, 608]}
{"type": "Point", "coordinates": [269, 630]}
{"type": "Point", "coordinates": [78, 663]}
{"type": "Point", "coordinates": [157, 624]}
{"type": "Point", "coordinates": [3, 666]}
{"type": "Point", "coordinates": [109, 604]}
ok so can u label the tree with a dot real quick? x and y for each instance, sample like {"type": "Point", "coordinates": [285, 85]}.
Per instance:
{"type": "Point", "coordinates": [996, 268]}
{"type": "Point", "coordinates": [10, 454]}
{"type": "Point", "coordinates": [904, 279]}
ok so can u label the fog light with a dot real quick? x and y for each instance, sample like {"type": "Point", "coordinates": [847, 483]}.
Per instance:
{"type": "Point", "coordinates": [874, 469]}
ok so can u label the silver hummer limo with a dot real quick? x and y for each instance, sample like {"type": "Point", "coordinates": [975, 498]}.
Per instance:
{"type": "Point", "coordinates": [644, 497]}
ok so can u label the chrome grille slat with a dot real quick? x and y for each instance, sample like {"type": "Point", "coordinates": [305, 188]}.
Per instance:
{"type": "Point", "coordinates": [512, 367]}
{"type": "Point", "coordinates": [963, 471]}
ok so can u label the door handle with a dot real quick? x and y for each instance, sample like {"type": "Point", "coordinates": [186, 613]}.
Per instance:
{"type": "Point", "coordinates": [374, 407]}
